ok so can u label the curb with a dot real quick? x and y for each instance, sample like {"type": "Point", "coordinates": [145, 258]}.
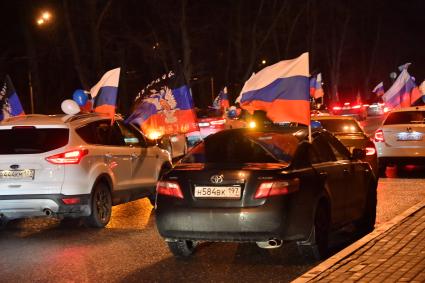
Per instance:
{"type": "Point", "coordinates": [331, 261]}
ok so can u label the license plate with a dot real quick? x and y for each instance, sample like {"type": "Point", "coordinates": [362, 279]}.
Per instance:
{"type": "Point", "coordinates": [231, 192]}
{"type": "Point", "coordinates": [415, 136]}
{"type": "Point", "coordinates": [16, 174]}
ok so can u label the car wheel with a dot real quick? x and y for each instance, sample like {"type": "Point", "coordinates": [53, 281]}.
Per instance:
{"type": "Point", "coordinates": [317, 244]}
{"type": "Point", "coordinates": [182, 248]}
{"type": "Point", "coordinates": [367, 223]}
{"type": "Point", "coordinates": [3, 224]}
{"type": "Point", "coordinates": [101, 206]}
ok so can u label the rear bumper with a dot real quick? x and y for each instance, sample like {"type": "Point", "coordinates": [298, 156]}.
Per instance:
{"type": "Point", "coordinates": [24, 206]}
{"type": "Point", "coordinates": [401, 160]}
{"type": "Point", "coordinates": [253, 224]}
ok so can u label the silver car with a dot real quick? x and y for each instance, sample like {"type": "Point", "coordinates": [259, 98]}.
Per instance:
{"type": "Point", "coordinates": [400, 139]}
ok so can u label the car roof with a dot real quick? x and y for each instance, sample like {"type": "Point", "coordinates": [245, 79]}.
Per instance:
{"type": "Point", "coordinates": [59, 120]}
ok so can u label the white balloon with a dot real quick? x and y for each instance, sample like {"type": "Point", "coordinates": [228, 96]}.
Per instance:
{"type": "Point", "coordinates": [70, 107]}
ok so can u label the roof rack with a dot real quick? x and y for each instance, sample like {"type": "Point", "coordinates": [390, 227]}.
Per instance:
{"type": "Point", "coordinates": [88, 115]}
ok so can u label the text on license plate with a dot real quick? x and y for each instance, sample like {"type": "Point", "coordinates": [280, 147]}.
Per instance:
{"type": "Point", "coordinates": [17, 174]}
{"type": "Point", "coordinates": [414, 136]}
{"type": "Point", "coordinates": [218, 192]}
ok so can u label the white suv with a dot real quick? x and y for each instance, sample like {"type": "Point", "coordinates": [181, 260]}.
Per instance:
{"type": "Point", "coordinates": [74, 166]}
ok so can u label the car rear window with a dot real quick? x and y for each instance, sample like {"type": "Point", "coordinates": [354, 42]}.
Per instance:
{"type": "Point", "coordinates": [340, 126]}
{"type": "Point", "coordinates": [32, 140]}
{"type": "Point", "coordinates": [253, 147]}
{"type": "Point", "coordinates": [405, 117]}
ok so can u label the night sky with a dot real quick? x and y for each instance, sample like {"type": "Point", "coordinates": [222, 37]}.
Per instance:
{"type": "Point", "coordinates": [354, 44]}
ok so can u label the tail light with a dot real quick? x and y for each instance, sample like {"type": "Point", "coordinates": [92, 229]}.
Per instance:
{"type": "Point", "coordinates": [356, 107]}
{"type": "Point", "coordinates": [379, 136]}
{"type": "Point", "coordinates": [69, 157]}
{"type": "Point", "coordinates": [218, 122]}
{"type": "Point", "coordinates": [336, 108]}
{"type": "Point", "coordinates": [275, 188]}
{"type": "Point", "coordinates": [386, 109]}
{"type": "Point", "coordinates": [370, 151]}
{"type": "Point", "coordinates": [168, 188]}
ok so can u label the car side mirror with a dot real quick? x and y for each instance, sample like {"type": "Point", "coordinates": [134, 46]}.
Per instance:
{"type": "Point", "coordinates": [358, 153]}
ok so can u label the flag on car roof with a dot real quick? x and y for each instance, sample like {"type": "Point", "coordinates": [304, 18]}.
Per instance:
{"type": "Point", "coordinates": [404, 67]}
{"type": "Point", "coordinates": [403, 92]}
{"type": "Point", "coordinates": [281, 90]}
{"type": "Point", "coordinates": [379, 89]}
{"type": "Point", "coordinates": [222, 100]}
{"type": "Point", "coordinates": [104, 93]}
{"type": "Point", "coordinates": [165, 106]}
{"type": "Point", "coordinates": [9, 101]}
{"type": "Point", "coordinates": [316, 90]}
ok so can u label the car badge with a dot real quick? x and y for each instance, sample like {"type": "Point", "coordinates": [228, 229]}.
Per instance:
{"type": "Point", "coordinates": [216, 179]}
{"type": "Point", "coordinates": [14, 166]}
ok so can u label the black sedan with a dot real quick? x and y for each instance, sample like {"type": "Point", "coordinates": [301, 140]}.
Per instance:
{"type": "Point", "coordinates": [349, 132]}
{"type": "Point", "coordinates": [265, 186]}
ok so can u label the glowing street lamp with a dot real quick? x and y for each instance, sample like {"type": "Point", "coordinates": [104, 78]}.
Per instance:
{"type": "Point", "coordinates": [263, 61]}
{"type": "Point", "coordinates": [44, 18]}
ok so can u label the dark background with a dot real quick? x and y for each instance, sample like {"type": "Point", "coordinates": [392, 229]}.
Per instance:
{"type": "Point", "coordinates": [355, 44]}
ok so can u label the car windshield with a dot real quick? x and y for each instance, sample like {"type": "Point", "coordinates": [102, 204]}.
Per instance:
{"type": "Point", "coordinates": [405, 117]}
{"type": "Point", "coordinates": [346, 126]}
{"type": "Point", "coordinates": [29, 140]}
{"type": "Point", "coordinates": [244, 147]}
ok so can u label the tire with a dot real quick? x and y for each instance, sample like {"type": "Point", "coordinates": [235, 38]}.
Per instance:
{"type": "Point", "coordinates": [3, 224]}
{"type": "Point", "coordinates": [367, 223]}
{"type": "Point", "coordinates": [182, 248]}
{"type": "Point", "coordinates": [317, 244]}
{"type": "Point", "coordinates": [382, 167]}
{"type": "Point", "coordinates": [101, 206]}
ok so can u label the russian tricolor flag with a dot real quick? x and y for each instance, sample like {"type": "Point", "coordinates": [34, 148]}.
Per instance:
{"type": "Point", "coordinates": [222, 100]}
{"type": "Point", "coordinates": [10, 105]}
{"type": "Point", "coordinates": [379, 89]}
{"type": "Point", "coordinates": [400, 93]}
{"type": "Point", "coordinates": [281, 90]}
{"type": "Point", "coordinates": [105, 92]}
{"type": "Point", "coordinates": [316, 90]}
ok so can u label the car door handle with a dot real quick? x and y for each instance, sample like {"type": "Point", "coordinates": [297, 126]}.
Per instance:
{"type": "Point", "coordinates": [323, 175]}
{"type": "Point", "coordinates": [134, 156]}
{"type": "Point", "coordinates": [108, 155]}
{"type": "Point", "coordinates": [346, 171]}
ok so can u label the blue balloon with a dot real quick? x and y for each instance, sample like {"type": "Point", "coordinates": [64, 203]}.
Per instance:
{"type": "Point", "coordinates": [80, 97]}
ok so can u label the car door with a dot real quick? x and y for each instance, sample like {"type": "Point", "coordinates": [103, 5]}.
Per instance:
{"type": "Point", "coordinates": [116, 154]}
{"type": "Point", "coordinates": [354, 173]}
{"type": "Point", "coordinates": [144, 158]}
{"type": "Point", "coordinates": [332, 173]}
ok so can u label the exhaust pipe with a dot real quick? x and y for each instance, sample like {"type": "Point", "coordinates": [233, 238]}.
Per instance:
{"type": "Point", "coordinates": [270, 244]}
{"type": "Point", "coordinates": [48, 212]}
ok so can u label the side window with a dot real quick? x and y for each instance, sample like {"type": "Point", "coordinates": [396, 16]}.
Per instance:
{"type": "Point", "coordinates": [88, 134]}
{"type": "Point", "coordinates": [313, 155]}
{"type": "Point", "coordinates": [101, 132]}
{"type": "Point", "coordinates": [321, 146]}
{"type": "Point", "coordinates": [339, 150]}
{"type": "Point", "coordinates": [131, 135]}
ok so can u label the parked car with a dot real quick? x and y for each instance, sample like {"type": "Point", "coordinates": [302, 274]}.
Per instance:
{"type": "Point", "coordinates": [210, 121]}
{"type": "Point", "coordinates": [400, 139]}
{"type": "Point", "coordinates": [74, 166]}
{"type": "Point", "coordinates": [377, 109]}
{"type": "Point", "coordinates": [358, 110]}
{"type": "Point", "coordinates": [351, 134]}
{"type": "Point", "coordinates": [265, 186]}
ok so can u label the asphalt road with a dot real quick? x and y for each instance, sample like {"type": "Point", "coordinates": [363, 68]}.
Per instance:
{"type": "Point", "coordinates": [131, 250]}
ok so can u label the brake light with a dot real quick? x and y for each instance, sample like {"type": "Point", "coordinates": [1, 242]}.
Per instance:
{"type": "Point", "coordinates": [379, 136]}
{"type": "Point", "coordinates": [71, 201]}
{"type": "Point", "coordinates": [168, 188]}
{"type": "Point", "coordinates": [218, 122]}
{"type": "Point", "coordinates": [370, 150]}
{"type": "Point", "coordinates": [275, 188]}
{"type": "Point", "coordinates": [69, 157]}
{"type": "Point", "coordinates": [386, 109]}
{"type": "Point", "coordinates": [336, 108]}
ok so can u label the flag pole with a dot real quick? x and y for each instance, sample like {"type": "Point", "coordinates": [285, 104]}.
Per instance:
{"type": "Point", "coordinates": [309, 133]}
